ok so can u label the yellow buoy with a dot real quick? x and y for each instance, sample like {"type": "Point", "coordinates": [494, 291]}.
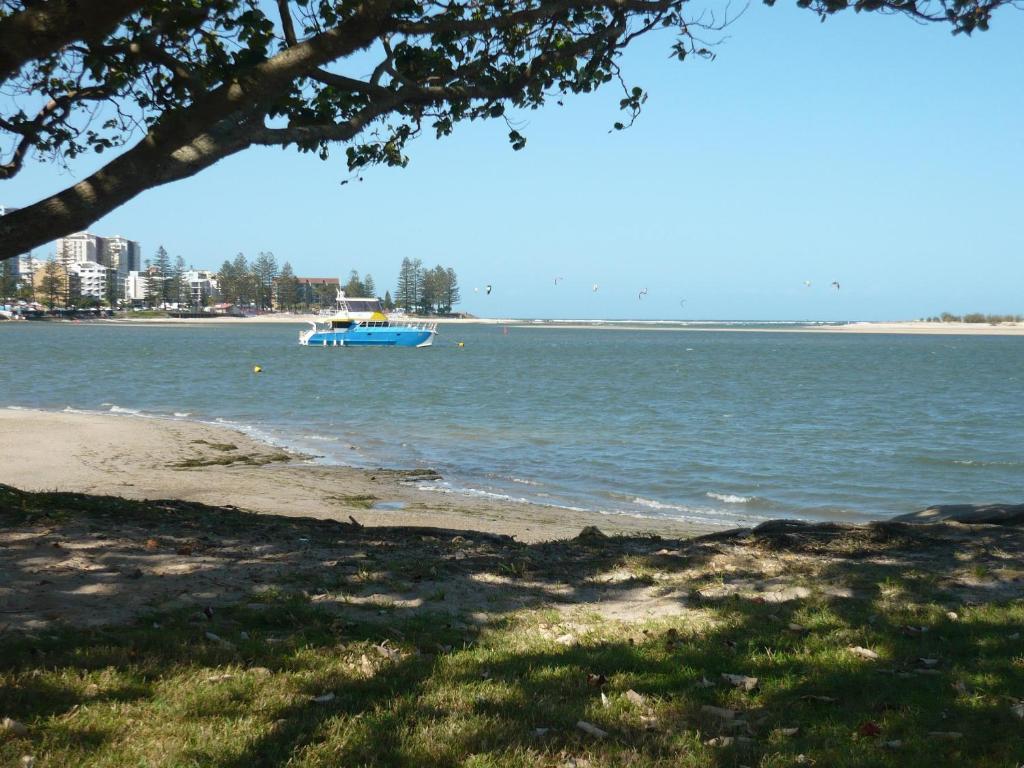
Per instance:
{"type": "Point", "coordinates": [257, 369]}
{"type": "Point", "coordinates": [462, 344]}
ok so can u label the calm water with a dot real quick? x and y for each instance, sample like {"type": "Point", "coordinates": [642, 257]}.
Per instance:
{"type": "Point", "coordinates": [713, 426]}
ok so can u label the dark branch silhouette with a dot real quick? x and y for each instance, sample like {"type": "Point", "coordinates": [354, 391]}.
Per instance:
{"type": "Point", "coordinates": [175, 86]}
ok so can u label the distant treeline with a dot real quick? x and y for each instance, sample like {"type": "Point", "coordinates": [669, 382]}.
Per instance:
{"type": "Point", "coordinates": [426, 291]}
{"type": "Point", "coordinates": [976, 317]}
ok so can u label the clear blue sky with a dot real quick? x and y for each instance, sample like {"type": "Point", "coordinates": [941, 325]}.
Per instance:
{"type": "Point", "coordinates": [869, 150]}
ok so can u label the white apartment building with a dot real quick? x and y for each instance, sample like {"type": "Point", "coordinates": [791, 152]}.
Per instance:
{"type": "Point", "coordinates": [91, 277]}
{"type": "Point", "coordinates": [202, 285]}
{"type": "Point", "coordinates": [79, 247]}
{"type": "Point", "coordinates": [135, 285]}
{"type": "Point", "coordinates": [118, 252]}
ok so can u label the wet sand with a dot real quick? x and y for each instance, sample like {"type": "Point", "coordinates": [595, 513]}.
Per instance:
{"type": "Point", "coordinates": [141, 458]}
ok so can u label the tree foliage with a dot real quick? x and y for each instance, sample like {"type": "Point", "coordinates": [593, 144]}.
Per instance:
{"type": "Point", "coordinates": [427, 291]}
{"type": "Point", "coordinates": [174, 86]}
{"type": "Point", "coordinates": [356, 286]}
{"type": "Point", "coordinates": [53, 283]}
{"type": "Point", "coordinates": [264, 272]}
{"type": "Point", "coordinates": [287, 288]}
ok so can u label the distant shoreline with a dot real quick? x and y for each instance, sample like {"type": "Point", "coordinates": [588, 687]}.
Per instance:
{"type": "Point", "coordinates": [910, 327]}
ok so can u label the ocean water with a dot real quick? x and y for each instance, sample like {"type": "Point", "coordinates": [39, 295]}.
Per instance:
{"type": "Point", "coordinates": [723, 427]}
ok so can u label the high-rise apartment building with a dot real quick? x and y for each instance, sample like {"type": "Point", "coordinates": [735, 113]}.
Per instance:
{"type": "Point", "coordinates": [122, 255]}
{"type": "Point", "coordinates": [79, 247]}
{"type": "Point", "coordinates": [119, 253]}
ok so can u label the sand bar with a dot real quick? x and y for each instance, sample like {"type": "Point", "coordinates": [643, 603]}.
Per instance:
{"type": "Point", "coordinates": [909, 327]}
{"type": "Point", "coordinates": [143, 458]}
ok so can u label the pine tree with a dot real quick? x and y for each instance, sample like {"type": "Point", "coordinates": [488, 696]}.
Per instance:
{"type": "Point", "coordinates": [51, 286]}
{"type": "Point", "coordinates": [162, 262]}
{"type": "Point", "coordinates": [354, 287]}
{"type": "Point", "coordinates": [8, 279]}
{"type": "Point", "coordinates": [369, 289]}
{"type": "Point", "coordinates": [115, 289]}
{"type": "Point", "coordinates": [452, 296]}
{"type": "Point", "coordinates": [226, 283]}
{"type": "Point", "coordinates": [287, 288]}
{"type": "Point", "coordinates": [263, 273]}
{"type": "Point", "coordinates": [151, 294]}
{"type": "Point", "coordinates": [389, 303]}
{"type": "Point", "coordinates": [178, 290]}
{"type": "Point", "coordinates": [417, 283]}
{"type": "Point", "coordinates": [243, 287]}
{"type": "Point", "coordinates": [404, 291]}
{"type": "Point", "coordinates": [432, 289]}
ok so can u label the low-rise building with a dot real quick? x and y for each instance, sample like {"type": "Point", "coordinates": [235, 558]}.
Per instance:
{"type": "Point", "coordinates": [317, 290]}
{"type": "Point", "coordinates": [202, 284]}
{"type": "Point", "coordinates": [91, 278]}
{"type": "Point", "coordinates": [136, 284]}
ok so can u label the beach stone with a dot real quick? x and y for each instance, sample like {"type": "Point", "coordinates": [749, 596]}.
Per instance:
{"type": "Point", "coordinates": [591, 533]}
{"type": "Point", "coordinates": [13, 727]}
{"type": "Point", "coordinates": [968, 514]}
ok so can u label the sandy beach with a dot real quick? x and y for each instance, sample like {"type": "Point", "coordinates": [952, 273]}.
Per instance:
{"type": "Point", "coordinates": [142, 458]}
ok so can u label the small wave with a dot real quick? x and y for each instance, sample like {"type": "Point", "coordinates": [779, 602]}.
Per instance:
{"type": "Point", "coordinates": [479, 493]}
{"type": "Point", "coordinates": [521, 481]}
{"type": "Point", "coordinates": [651, 504]}
{"type": "Point", "coordinates": [729, 498]}
{"type": "Point", "coordinates": [180, 415]}
{"type": "Point", "coordinates": [130, 411]}
{"type": "Point", "coordinates": [944, 461]}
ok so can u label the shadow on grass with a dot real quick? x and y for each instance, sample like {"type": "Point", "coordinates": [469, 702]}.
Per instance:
{"type": "Point", "coordinates": [308, 686]}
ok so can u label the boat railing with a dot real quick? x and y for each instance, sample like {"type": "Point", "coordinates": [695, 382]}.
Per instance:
{"type": "Point", "coordinates": [414, 325]}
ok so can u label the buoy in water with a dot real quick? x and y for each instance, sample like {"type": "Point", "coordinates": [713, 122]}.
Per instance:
{"type": "Point", "coordinates": [257, 369]}
{"type": "Point", "coordinates": [461, 344]}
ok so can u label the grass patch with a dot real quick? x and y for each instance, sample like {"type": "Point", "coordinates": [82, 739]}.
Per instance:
{"type": "Point", "coordinates": [277, 677]}
{"type": "Point", "coordinates": [302, 687]}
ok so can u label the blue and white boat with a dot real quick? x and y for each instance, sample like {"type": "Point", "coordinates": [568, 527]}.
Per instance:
{"type": "Point", "coordinates": [362, 323]}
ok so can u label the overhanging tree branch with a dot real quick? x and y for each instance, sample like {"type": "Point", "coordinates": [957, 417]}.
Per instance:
{"type": "Point", "coordinates": [207, 80]}
{"type": "Point", "coordinates": [44, 28]}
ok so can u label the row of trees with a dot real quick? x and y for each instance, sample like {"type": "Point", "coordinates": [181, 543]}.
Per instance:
{"type": "Point", "coordinates": [426, 291]}
{"type": "Point", "coordinates": [976, 317]}
{"type": "Point", "coordinates": [253, 284]}
{"type": "Point", "coordinates": [166, 281]}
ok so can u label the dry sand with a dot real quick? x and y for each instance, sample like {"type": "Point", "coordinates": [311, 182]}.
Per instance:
{"type": "Point", "coordinates": [914, 327]}
{"type": "Point", "coordinates": [141, 458]}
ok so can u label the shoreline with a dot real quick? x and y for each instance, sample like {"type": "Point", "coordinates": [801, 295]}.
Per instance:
{"type": "Point", "coordinates": [909, 327]}
{"type": "Point", "coordinates": [153, 458]}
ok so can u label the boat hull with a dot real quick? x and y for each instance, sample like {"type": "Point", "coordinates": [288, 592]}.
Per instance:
{"type": "Point", "coordinates": [369, 337]}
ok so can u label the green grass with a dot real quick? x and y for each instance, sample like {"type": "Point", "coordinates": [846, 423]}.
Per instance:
{"type": "Point", "coordinates": [443, 686]}
{"type": "Point", "coordinates": [435, 695]}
